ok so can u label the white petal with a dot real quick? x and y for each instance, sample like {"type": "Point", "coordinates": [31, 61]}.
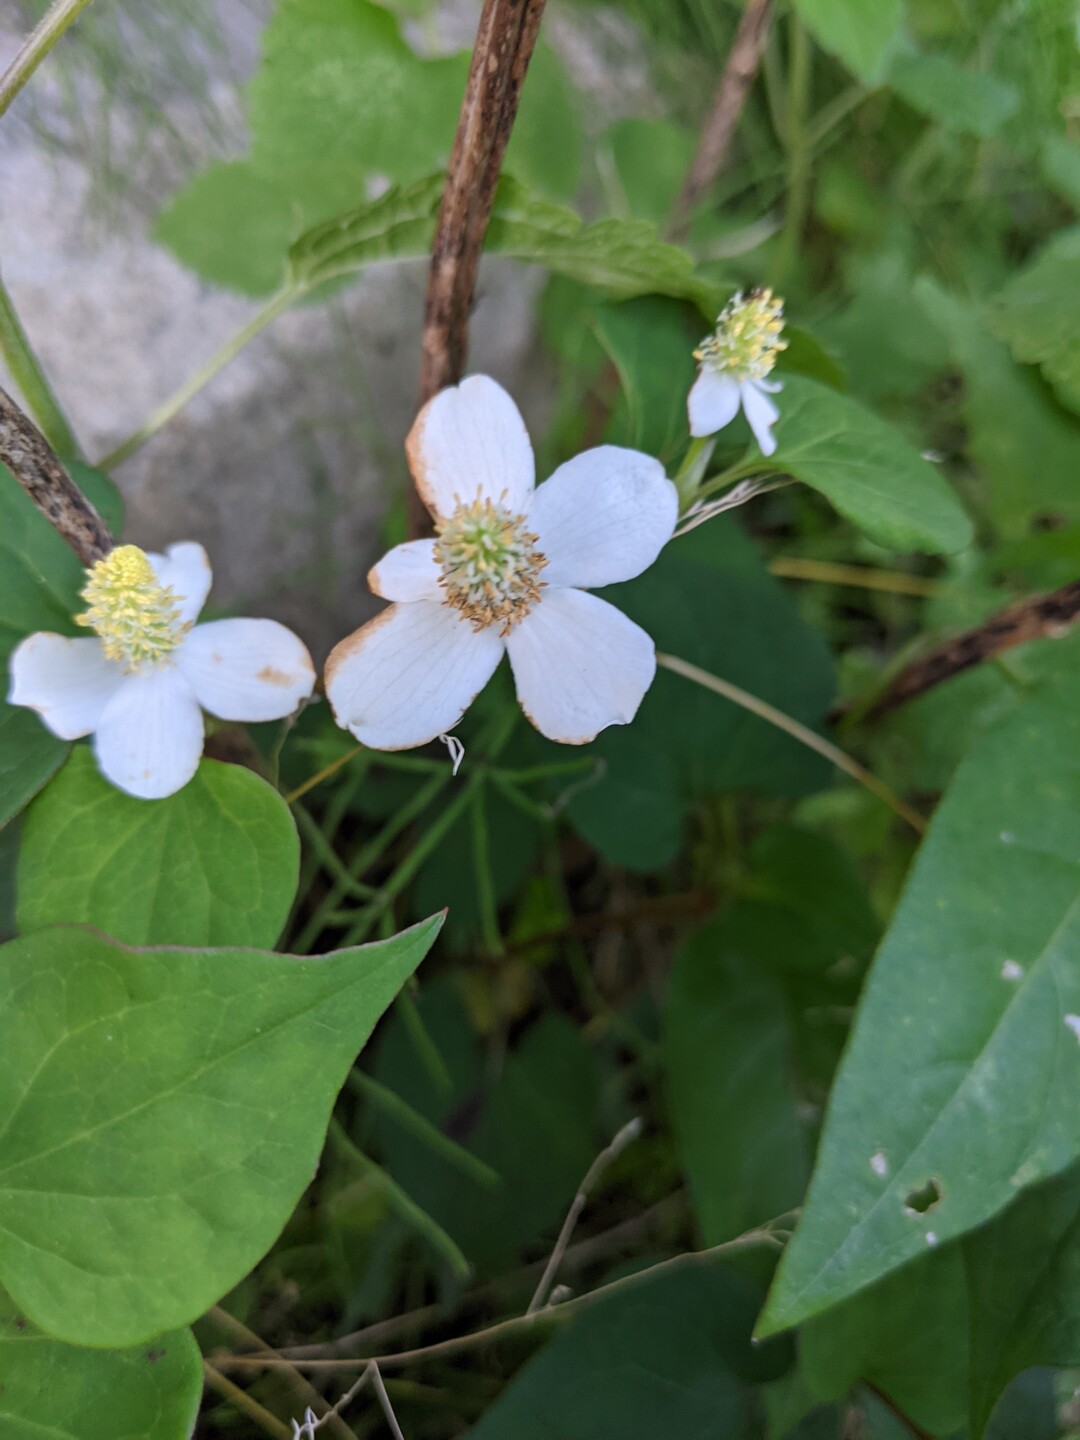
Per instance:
{"type": "Point", "coordinates": [246, 669]}
{"type": "Point", "coordinates": [580, 665]}
{"type": "Point", "coordinates": [471, 440]}
{"type": "Point", "coordinates": [151, 734]}
{"type": "Point", "coordinates": [713, 402]}
{"type": "Point", "coordinates": [603, 516]}
{"type": "Point", "coordinates": [409, 675]}
{"type": "Point", "coordinates": [762, 415]}
{"type": "Point", "coordinates": [771, 387]}
{"type": "Point", "coordinates": [186, 568]}
{"type": "Point", "coordinates": [68, 682]}
{"type": "Point", "coordinates": [408, 572]}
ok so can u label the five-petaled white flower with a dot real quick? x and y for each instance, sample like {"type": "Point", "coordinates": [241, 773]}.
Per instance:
{"type": "Point", "coordinates": [138, 684]}
{"type": "Point", "coordinates": [508, 570]}
{"type": "Point", "coordinates": [736, 360]}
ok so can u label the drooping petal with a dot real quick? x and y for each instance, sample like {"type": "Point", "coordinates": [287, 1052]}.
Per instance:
{"type": "Point", "coordinates": [471, 441]}
{"type": "Point", "coordinates": [151, 735]}
{"type": "Point", "coordinates": [68, 682]}
{"type": "Point", "coordinates": [186, 568]}
{"type": "Point", "coordinates": [579, 665]}
{"type": "Point", "coordinates": [408, 572]}
{"type": "Point", "coordinates": [762, 415]}
{"type": "Point", "coordinates": [603, 516]}
{"type": "Point", "coordinates": [409, 675]}
{"type": "Point", "coordinates": [713, 402]}
{"type": "Point", "coordinates": [771, 387]}
{"type": "Point", "coordinates": [246, 669]}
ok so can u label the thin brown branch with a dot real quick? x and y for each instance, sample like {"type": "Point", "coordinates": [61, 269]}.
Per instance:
{"type": "Point", "coordinates": [242, 1401]}
{"type": "Point", "coordinates": [1036, 618]}
{"type": "Point", "coordinates": [459, 1344]}
{"type": "Point", "coordinates": [30, 458]}
{"type": "Point", "coordinates": [504, 45]}
{"type": "Point", "coordinates": [729, 99]}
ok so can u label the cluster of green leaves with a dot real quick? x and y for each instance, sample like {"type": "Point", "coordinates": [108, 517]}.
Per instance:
{"type": "Point", "coordinates": [892, 1054]}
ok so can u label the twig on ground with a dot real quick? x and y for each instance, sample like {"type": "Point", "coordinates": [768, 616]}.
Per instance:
{"type": "Point", "coordinates": [730, 96]}
{"type": "Point", "coordinates": [1038, 617]}
{"type": "Point", "coordinates": [626, 1136]}
{"type": "Point", "coordinates": [243, 1402]}
{"type": "Point", "coordinates": [384, 1401]}
{"type": "Point", "coordinates": [460, 1344]}
{"type": "Point", "coordinates": [30, 458]}
{"type": "Point", "coordinates": [504, 44]}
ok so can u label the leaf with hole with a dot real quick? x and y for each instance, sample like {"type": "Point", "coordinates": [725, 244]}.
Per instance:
{"type": "Point", "coordinates": [970, 1013]}
{"type": "Point", "coordinates": [163, 1112]}
{"type": "Point", "coordinates": [214, 864]}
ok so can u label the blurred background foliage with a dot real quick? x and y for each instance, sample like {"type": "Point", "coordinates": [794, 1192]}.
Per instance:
{"type": "Point", "coordinates": [675, 922]}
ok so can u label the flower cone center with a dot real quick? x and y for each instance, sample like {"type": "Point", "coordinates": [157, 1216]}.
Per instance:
{"type": "Point", "coordinates": [747, 340]}
{"type": "Point", "coordinates": [136, 618]}
{"type": "Point", "coordinates": [489, 564]}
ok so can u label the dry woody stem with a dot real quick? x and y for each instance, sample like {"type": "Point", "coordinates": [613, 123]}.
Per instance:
{"type": "Point", "coordinates": [504, 45]}
{"type": "Point", "coordinates": [1036, 618]}
{"type": "Point", "coordinates": [30, 458]}
{"type": "Point", "coordinates": [732, 91]}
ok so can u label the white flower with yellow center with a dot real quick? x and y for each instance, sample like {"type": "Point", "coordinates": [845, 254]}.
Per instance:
{"type": "Point", "coordinates": [508, 571]}
{"type": "Point", "coordinates": [140, 683]}
{"type": "Point", "coordinates": [736, 361]}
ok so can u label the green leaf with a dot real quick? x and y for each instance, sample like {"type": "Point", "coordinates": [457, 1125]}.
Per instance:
{"type": "Point", "coordinates": [1038, 314]}
{"type": "Point", "coordinates": [1011, 415]}
{"type": "Point", "coordinates": [64, 1393]}
{"type": "Point", "coordinates": [686, 743]}
{"type": "Point", "coordinates": [625, 258]}
{"type": "Point", "coordinates": [40, 580]}
{"type": "Point", "coordinates": [648, 342]}
{"type": "Point", "coordinates": [534, 1124]}
{"type": "Point", "coordinates": [867, 470]}
{"type": "Point", "coordinates": [651, 157]}
{"type": "Point", "coordinates": [341, 104]}
{"type": "Point", "coordinates": [969, 1013]}
{"type": "Point", "coordinates": [862, 33]}
{"type": "Point", "coordinates": [728, 1046]}
{"type": "Point", "coordinates": [214, 864]}
{"type": "Point", "coordinates": [971, 102]}
{"type": "Point", "coordinates": [1023, 1275]}
{"type": "Point", "coordinates": [907, 1335]}
{"type": "Point", "coordinates": [164, 1110]}
{"type": "Point", "coordinates": [656, 1360]}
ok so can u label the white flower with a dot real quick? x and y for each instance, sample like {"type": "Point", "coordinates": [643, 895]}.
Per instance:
{"type": "Point", "coordinates": [735, 361]}
{"type": "Point", "coordinates": [138, 684]}
{"type": "Point", "coordinates": [506, 572]}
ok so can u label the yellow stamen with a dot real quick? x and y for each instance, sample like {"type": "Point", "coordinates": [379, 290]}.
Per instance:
{"type": "Point", "coordinates": [746, 342]}
{"type": "Point", "coordinates": [137, 620]}
{"type": "Point", "coordinates": [490, 564]}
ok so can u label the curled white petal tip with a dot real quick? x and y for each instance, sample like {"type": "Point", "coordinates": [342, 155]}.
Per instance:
{"type": "Point", "coordinates": [408, 572]}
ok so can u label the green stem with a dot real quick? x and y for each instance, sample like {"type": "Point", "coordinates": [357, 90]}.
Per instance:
{"type": "Point", "coordinates": [423, 1130]}
{"type": "Point", "coordinates": [401, 1201]}
{"type": "Point", "coordinates": [367, 856]}
{"type": "Point", "coordinates": [191, 387]}
{"type": "Point", "coordinates": [39, 42]}
{"type": "Point", "coordinates": [428, 842]}
{"type": "Point", "coordinates": [28, 375]}
{"type": "Point", "coordinates": [687, 479]}
{"type": "Point", "coordinates": [799, 152]}
{"type": "Point", "coordinates": [485, 883]}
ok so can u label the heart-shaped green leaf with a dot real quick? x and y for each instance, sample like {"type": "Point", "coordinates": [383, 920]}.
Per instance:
{"type": "Point", "coordinates": [163, 1112]}
{"type": "Point", "coordinates": [214, 864]}
{"type": "Point", "coordinates": [64, 1392]}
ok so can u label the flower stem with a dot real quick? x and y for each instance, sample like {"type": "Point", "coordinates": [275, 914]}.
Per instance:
{"type": "Point", "coordinates": [28, 375]}
{"type": "Point", "coordinates": [191, 387]}
{"type": "Point", "coordinates": [797, 731]}
{"type": "Point", "coordinates": [687, 479]}
{"type": "Point", "coordinates": [39, 42]}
